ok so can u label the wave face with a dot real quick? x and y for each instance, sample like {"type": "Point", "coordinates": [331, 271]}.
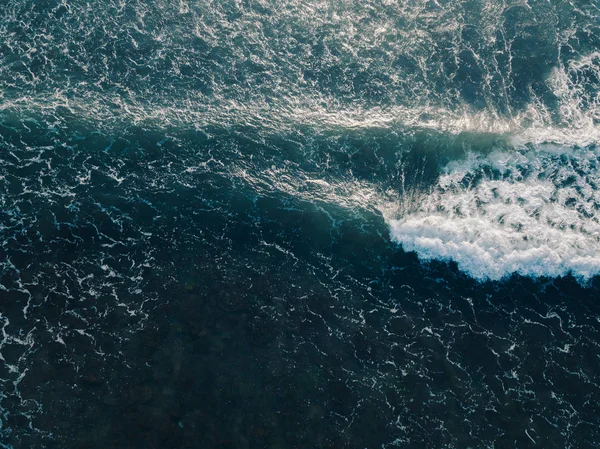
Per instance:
{"type": "Point", "coordinates": [316, 223]}
{"type": "Point", "coordinates": [530, 208]}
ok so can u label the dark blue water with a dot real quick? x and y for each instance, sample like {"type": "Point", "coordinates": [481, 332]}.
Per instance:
{"type": "Point", "coordinates": [316, 224]}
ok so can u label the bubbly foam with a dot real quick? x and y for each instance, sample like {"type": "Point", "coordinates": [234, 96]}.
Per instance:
{"type": "Point", "coordinates": [530, 211]}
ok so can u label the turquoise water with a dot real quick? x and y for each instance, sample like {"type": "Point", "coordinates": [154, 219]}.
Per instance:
{"type": "Point", "coordinates": [317, 224]}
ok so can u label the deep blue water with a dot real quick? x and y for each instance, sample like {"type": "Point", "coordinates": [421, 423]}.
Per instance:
{"type": "Point", "coordinates": [304, 224]}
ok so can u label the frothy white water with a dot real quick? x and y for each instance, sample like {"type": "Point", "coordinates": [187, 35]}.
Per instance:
{"type": "Point", "coordinates": [528, 211]}
{"type": "Point", "coordinates": [531, 209]}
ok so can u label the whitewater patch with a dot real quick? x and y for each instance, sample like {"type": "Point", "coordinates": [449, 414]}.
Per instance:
{"type": "Point", "coordinates": [531, 211]}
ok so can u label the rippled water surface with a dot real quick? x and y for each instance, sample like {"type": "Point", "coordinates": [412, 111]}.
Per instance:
{"type": "Point", "coordinates": [302, 224]}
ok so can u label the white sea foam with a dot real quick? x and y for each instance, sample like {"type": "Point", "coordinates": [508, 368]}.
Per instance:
{"type": "Point", "coordinates": [527, 211]}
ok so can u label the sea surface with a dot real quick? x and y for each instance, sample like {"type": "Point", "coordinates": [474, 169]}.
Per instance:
{"type": "Point", "coordinates": [320, 224]}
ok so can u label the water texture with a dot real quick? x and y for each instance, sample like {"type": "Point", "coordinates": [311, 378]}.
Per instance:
{"type": "Point", "coordinates": [301, 224]}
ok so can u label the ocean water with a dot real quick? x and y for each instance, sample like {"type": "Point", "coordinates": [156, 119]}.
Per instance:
{"type": "Point", "coordinates": [302, 224]}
